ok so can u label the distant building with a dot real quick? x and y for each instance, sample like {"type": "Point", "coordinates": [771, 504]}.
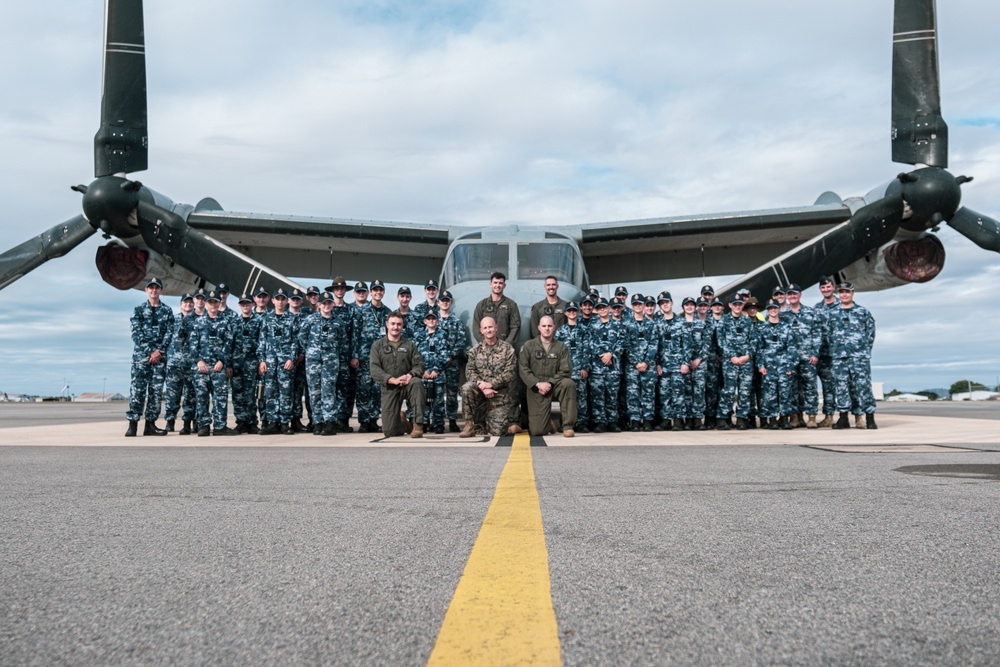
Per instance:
{"type": "Point", "coordinates": [907, 398]}
{"type": "Point", "coordinates": [98, 397]}
{"type": "Point", "coordinates": [983, 395]}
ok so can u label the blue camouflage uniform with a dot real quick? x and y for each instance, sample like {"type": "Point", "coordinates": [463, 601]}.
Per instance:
{"type": "Point", "coordinates": [642, 345]}
{"type": "Point", "coordinates": [604, 379]}
{"type": "Point", "coordinates": [320, 338]}
{"type": "Point", "coordinates": [436, 351]}
{"type": "Point", "coordinates": [824, 369]}
{"type": "Point", "coordinates": [179, 385]}
{"type": "Point", "coordinates": [736, 339]}
{"type": "Point", "coordinates": [675, 351]}
{"type": "Point", "coordinates": [577, 339]}
{"type": "Point", "coordinates": [152, 329]}
{"type": "Point", "coordinates": [246, 364]}
{"type": "Point", "coordinates": [211, 342]}
{"type": "Point", "coordinates": [278, 345]}
{"type": "Point", "coordinates": [851, 332]}
{"type": "Point", "coordinates": [777, 353]}
{"type": "Point", "coordinates": [458, 341]}
{"type": "Point", "coordinates": [369, 327]}
{"type": "Point", "coordinates": [806, 328]}
{"type": "Point", "coordinates": [700, 333]}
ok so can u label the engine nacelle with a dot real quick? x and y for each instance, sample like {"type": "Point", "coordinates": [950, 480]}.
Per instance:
{"type": "Point", "coordinates": [124, 267]}
{"type": "Point", "coordinates": [899, 262]}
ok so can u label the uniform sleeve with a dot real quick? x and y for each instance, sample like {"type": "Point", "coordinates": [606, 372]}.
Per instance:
{"type": "Point", "coordinates": [515, 324]}
{"type": "Point", "coordinates": [378, 373]}
{"type": "Point", "coordinates": [508, 367]}
{"type": "Point", "coordinates": [418, 367]}
{"type": "Point", "coordinates": [477, 316]}
{"type": "Point", "coordinates": [524, 366]}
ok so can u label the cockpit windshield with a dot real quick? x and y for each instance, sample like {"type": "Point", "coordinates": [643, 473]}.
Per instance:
{"type": "Point", "coordinates": [535, 261]}
{"type": "Point", "coordinates": [476, 260]}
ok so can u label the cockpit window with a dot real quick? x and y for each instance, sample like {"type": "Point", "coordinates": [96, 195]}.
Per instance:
{"type": "Point", "coordinates": [475, 261]}
{"type": "Point", "coordinates": [535, 261]}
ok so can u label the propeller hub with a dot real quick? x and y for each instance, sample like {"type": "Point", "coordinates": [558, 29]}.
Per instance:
{"type": "Point", "coordinates": [933, 196]}
{"type": "Point", "coordinates": [109, 204]}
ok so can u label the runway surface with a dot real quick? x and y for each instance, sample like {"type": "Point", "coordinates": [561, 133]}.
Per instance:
{"type": "Point", "coordinates": [656, 549]}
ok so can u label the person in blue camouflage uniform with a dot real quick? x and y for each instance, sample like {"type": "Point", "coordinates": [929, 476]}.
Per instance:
{"type": "Point", "coordinates": [435, 348]}
{"type": "Point", "coordinates": [776, 358]}
{"type": "Point", "coordinates": [279, 350]}
{"type": "Point", "coordinates": [576, 337]}
{"type": "Point", "coordinates": [369, 327]}
{"type": "Point", "coordinates": [851, 332]}
{"type": "Point", "coordinates": [152, 326]}
{"type": "Point", "coordinates": [824, 367]}
{"type": "Point", "coordinates": [300, 386]}
{"type": "Point", "coordinates": [607, 339]}
{"type": "Point", "coordinates": [210, 349]}
{"type": "Point", "coordinates": [694, 381]}
{"type": "Point", "coordinates": [458, 339]}
{"type": "Point", "coordinates": [617, 305]}
{"type": "Point", "coordinates": [642, 347]}
{"type": "Point", "coordinates": [319, 337]}
{"type": "Point", "coordinates": [672, 364]}
{"type": "Point", "coordinates": [355, 307]}
{"type": "Point", "coordinates": [807, 326]}
{"type": "Point", "coordinates": [713, 374]}
{"type": "Point", "coordinates": [246, 365]}
{"type": "Point", "coordinates": [751, 310]}
{"type": "Point", "coordinates": [344, 314]}
{"type": "Point", "coordinates": [736, 341]}
{"type": "Point", "coordinates": [179, 387]}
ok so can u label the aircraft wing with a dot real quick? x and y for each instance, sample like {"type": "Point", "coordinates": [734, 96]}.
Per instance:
{"type": "Point", "coordinates": [399, 252]}
{"type": "Point", "coordinates": [696, 245]}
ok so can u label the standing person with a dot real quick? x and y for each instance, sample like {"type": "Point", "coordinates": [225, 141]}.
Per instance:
{"type": "Point", "coordinates": [261, 301]}
{"type": "Point", "coordinates": [736, 341]}
{"type": "Point", "coordinates": [824, 367]}
{"type": "Point", "coordinates": [211, 345]}
{"type": "Point", "coordinates": [501, 309]}
{"type": "Point", "coordinates": [179, 374]}
{"type": "Point", "coordinates": [576, 337]}
{"type": "Point", "coordinates": [279, 349]}
{"type": "Point", "coordinates": [694, 381]}
{"type": "Point", "coordinates": [345, 316]}
{"type": "Point", "coordinates": [199, 301]}
{"type": "Point", "coordinates": [152, 326]}
{"type": "Point", "coordinates": [851, 331]}
{"type": "Point", "coordinates": [435, 349]}
{"type": "Point", "coordinates": [545, 367]}
{"type": "Point", "coordinates": [777, 358]}
{"type": "Point", "coordinates": [806, 325]}
{"type": "Point", "coordinates": [458, 342]}
{"type": "Point", "coordinates": [369, 327]}
{"type": "Point", "coordinates": [672, 364]}
{"type": "Point", "coordinates": [246, 365]}
{"type": "Point", "coordinates": [552, 305]}
{"type": "Point", "coordinates": [360, 301]}
{"type": "Point", "coordinates": [300, 387]}
{"type": "Point", "coordinates": [312, 299]}
{"type": "Point", "coordinates": [320, 334]}
{"type": "Point", "coordinates": [431, 302]}
{"type": "Point", "coordinates": [396, 365]}
{"type": "Point", "coordinates": [642, 346]}
{"type": "Point", "coordinates": [490, 372]}
{"type": "Point", "coordinates": [607, 343]}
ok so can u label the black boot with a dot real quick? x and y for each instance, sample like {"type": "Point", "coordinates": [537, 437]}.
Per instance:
{"type": "Point", "coordinates": [133, 427]}
{"type": "Point", "coordinates": [785, 424]}
{"type": "Point", "coordinates": [870, 421]}
{"type": "Point", "coordinates": [453, 427]}
{"type": "Point", "coordinates": [843, 422]}
{"type": "Point", "coordinates": [722, 425]}
{"type": "Point", "coordinates": [344, 427]}
{"type": "Point", "coordinates": [186, 430]}
{"type": "Point", "coordinates": [696, 425]}
{"type": "Point", "coordinates": [664, 425]}
{"type": "Point", "coordinates": [613, 427]}
{"type": "Point", "coordinates": [772, 424]}
{"type": "Point", "coordinates": [329, 428]}
{"type": "Point", "coordinates": [741, 424]}
{"type": "Point", "coordinates": [710, 423]}
{"type": "Point", "coordinates": [647, 425]}
{"type": "Point", "coordinates": [170, 426]}
{"type": "Point", "coordinates": [150, 429]}
{"type": "Point", "coordinates": [751, 422]}
{"type": "Point", "coordinates": [317, 427]}
{"type": "Point", "coordinates": [634, 425]}
{"type": "Point", "coordinates": [678, 425]}
{"type": "Point", "coordinates": [270, 428]}
{"type": "Point", "coordinates": [298, 426]}
{"type": "Point", "coordinates": [287, 429]}
{"type": "Point", "coordinates": [203, 431]}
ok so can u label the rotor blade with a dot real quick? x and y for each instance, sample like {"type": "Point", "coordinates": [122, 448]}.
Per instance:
{"type": "Point", "coordinates": [34, 252]}
{"type": "Point", "coordinates": [869, 228]}
{"type": "Point", "coordinates": [981, 229]}
{"type": "Point", "coordinates": [919, 133]}
{"type": "Point", "coordinates": [170, 235]}
{"type": "Point", "coordinates": [120, 146]}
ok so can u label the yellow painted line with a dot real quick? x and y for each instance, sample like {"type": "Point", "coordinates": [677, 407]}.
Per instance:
{"type": "Point", "coordinates": [502, 612]}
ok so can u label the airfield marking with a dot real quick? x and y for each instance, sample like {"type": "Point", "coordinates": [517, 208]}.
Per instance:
{"type": "Point", "coordinates": [501, 613]}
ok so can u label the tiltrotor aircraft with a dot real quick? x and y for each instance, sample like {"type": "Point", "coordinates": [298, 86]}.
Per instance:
{"type": "Point", "coordinates": [881, 240]}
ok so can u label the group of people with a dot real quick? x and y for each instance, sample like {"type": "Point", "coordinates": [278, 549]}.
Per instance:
{"type": "Point", "coordinates": [290, 355]}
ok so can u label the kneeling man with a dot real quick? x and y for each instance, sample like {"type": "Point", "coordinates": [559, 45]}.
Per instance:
{"type": "Point", "coordinates": [397, 366]}
{"type": "Point", "coordinates": [546, 367]}
{"type": "Point", "coordinates": [490, 371]}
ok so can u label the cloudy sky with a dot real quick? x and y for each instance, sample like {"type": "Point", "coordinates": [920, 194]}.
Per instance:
{"type": "Point", "coordinates": [480, 112]}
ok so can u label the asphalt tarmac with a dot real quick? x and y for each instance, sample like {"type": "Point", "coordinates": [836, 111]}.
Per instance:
{"type": "Point", "coordinates": [758, 548]}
